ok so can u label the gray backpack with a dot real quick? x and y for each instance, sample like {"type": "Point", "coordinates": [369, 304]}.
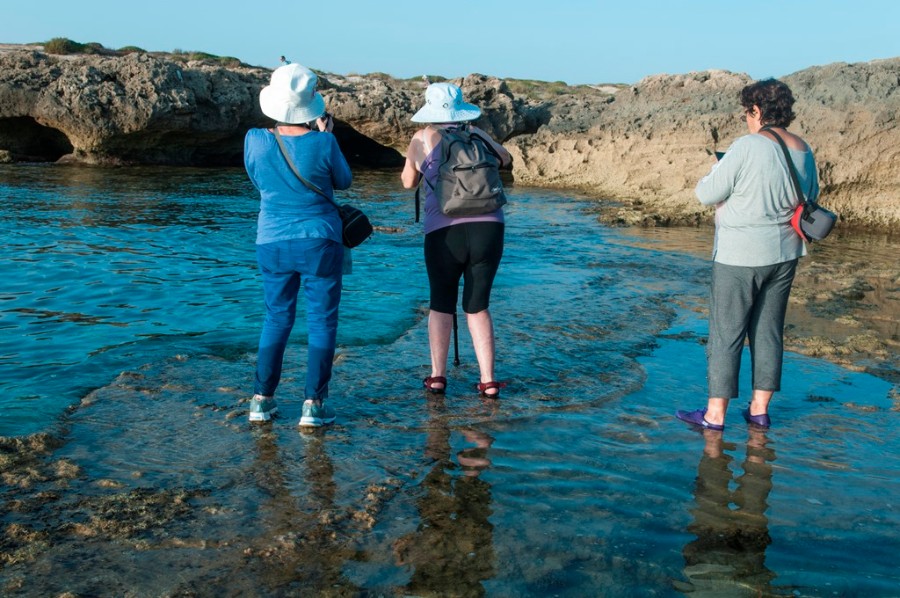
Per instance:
{"type": "Point", "coordinates": [468, 180]}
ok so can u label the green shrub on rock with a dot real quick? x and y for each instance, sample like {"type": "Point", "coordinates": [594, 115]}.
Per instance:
{"type": "Point", "coordinates": [200, 56]}
{"type": "Point", "coordinates": [94, 48]}
{"type": "Point", "coordinates": [63, 45]}
{"type": "Point", "coordinates": [196, 56]}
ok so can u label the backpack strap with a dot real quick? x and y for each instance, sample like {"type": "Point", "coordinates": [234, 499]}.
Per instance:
{"type": "Point", "coordinates": [490, 148]}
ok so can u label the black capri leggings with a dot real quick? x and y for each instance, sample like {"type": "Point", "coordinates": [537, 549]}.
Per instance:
{"type": "Point", "coordinates": [471, 250]}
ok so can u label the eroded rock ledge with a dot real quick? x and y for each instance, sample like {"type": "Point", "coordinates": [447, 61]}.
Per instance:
{"type": "Point", "coordinates": [644, 146]}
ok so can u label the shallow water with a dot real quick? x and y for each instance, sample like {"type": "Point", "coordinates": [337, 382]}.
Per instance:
{"type": "Point", "coordinates": [132, 294]}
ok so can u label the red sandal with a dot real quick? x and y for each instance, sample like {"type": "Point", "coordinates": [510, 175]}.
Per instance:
{"type": "Point", "coordinates": [430, 380]}
{"type": "Point", "coordinates": [483, 387]}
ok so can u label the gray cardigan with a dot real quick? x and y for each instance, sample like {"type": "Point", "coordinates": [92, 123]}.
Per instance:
{"type": "Point", "coordinates": [754, 199]}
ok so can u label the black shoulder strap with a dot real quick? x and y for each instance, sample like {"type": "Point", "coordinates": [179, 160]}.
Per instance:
{"type": "Point", "coordinates": [290, 162]}
{"type": "Point", "coordinates": [418, 201]}
{"type": "Point", "coordinates": [787, 155]}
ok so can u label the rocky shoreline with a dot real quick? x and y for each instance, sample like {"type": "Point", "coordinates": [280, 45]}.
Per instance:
{"type": "Point", "coordinates": [642, 147]}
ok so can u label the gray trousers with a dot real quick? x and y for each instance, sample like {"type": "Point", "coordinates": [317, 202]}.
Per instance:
{"type": "Point", "coordinates": [747, 302]}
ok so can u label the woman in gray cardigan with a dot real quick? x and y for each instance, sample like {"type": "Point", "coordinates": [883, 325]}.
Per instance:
{"type": "Point", "coordinates": [755, 253]}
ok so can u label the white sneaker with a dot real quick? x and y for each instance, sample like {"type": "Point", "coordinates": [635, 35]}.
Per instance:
{"type": "Point", "coordinates": [262, 408]}
{"type": "Point", "coordinates": [316, 414]}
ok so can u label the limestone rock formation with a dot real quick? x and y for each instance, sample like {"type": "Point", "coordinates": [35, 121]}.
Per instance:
{"type": "Point", "coordinates": [642, 147]}
{"type": "Point", "coordinates": [851, 116]}
{"type": "Point", "coordinates": [145, 109]}
{"type": "Point", "coordinates": [652, 142]}
{"type": "Point", "coordinates": [373, 113]}
{"type": "Point", "coordinates": [125, 109]}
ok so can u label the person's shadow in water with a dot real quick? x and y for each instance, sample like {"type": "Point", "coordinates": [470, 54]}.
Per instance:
{"type": "Point", "coordinates": [451, 552]}
{"type": "Point", "coordinates": [729, 553]}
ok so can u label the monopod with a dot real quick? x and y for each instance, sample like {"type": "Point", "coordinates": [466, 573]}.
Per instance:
{"type": "Point", "coordinates": [455, 340]}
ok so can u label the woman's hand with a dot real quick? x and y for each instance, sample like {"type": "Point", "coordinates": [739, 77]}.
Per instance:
{"type": "Point", "coordinates": [325, 123]}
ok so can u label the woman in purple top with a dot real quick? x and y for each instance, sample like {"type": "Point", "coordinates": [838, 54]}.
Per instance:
{"type": "Point", "coordinates": [298, 240]}
{"type": "Point", "coordinates": [467, 247]}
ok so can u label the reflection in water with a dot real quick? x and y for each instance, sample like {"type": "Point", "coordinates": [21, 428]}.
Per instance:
{"type": "Point", "coordinates": [730, 550]}
{"type": "Point", "coordinates": [451, 552]}
{"type": "Point", "coordinates": [296, 546]}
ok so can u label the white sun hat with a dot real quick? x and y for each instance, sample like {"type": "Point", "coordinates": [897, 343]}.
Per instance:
{"type": "Point", "coordinates": [291, 96]}
{"type": "Point", "coordinates": [444, 104]}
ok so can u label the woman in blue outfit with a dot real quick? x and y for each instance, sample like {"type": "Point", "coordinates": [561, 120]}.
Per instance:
{"type": "Point", "coordinates": [467, 247]}
{"type": "Point", "coordinates": [298, 241]}
{"type": "Point", "coordinates": [755, 252]}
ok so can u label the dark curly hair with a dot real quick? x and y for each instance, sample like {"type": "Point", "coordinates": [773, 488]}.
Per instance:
{"type": "Point", "coordinates": [774, 99]}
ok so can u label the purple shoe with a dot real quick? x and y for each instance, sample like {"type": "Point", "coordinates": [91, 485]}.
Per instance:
{"type": "Point", "coordinates": [696, 418]}
{"type": "Point", "coordinates": [762, 420]}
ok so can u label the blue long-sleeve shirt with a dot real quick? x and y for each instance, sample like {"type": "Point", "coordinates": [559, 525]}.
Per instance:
{"type": "Point", "coordinates": [755, 199]}
{"type": "Point", "coordinates": [289, 209]}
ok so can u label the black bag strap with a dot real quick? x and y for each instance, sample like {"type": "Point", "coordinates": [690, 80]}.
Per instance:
{"type": "Point", "coordinates": [418, 202]}
{"type": "Point", "coordinates": [290, 162]}
{"type": "Point", "coordinates": [791, 168]}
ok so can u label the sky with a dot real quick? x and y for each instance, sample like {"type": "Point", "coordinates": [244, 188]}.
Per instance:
{"type": "Point", "coordinates": [576, 41]}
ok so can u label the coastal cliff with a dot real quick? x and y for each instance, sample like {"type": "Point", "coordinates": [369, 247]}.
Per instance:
{"type": "Point", "coordinates": [133, 109]}
{"type": "Point", "coordinates": [643, 146]}
{"type": "Point", "coordinates": [649, 144]}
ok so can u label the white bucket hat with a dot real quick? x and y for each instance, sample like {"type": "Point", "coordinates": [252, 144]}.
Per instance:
{"type": "Point", "coordinates": [444, 104]}
{"type": "Point", "coordinates": [291, 96]}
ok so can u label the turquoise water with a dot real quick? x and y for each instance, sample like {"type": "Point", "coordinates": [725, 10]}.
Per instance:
{"type": "Point", "coordinates": [130, 309]}
{"type": "Point", "coordinates": [109, 269]}
{"type": "Point", "coordinates": [106, 268]}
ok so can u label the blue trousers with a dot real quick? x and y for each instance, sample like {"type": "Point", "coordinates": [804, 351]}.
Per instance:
{"type": "Point", "coordinates": [316, 265]}
{"type": "Point", "coordinates": [747, 303]}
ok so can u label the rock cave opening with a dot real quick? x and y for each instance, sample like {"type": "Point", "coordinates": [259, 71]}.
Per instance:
{"type": "Point", "coordinates": [364, 151]}
{"type": "Point", "coordinates": [26, 140]}
{"type": "Point", "coordinates": [361, 151]}
{"type": "Point", "coordinates": [179, 148]}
